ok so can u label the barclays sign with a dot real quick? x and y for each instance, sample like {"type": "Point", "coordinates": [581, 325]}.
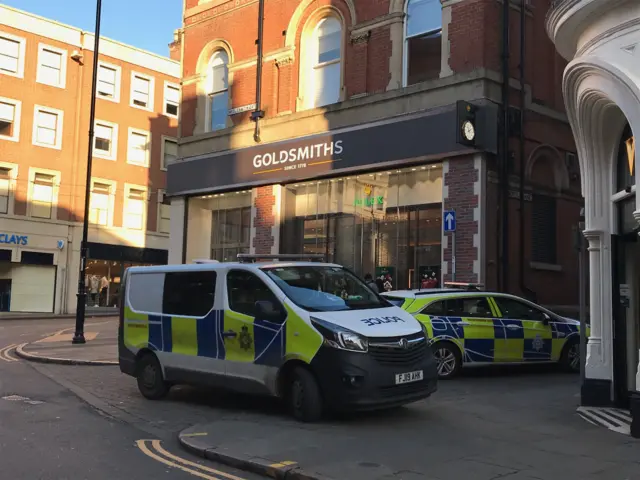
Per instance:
{"type": "Point", "coordinates": [12, 239]}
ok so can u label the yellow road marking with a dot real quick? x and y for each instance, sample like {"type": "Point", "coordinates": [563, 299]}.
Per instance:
{"type": "Point", "coordinates": [155, 444]}
{"type": "Point", "coordinates": [195, 434]}
{"type": "Point", "coordinates": [286, 463]}
{"type": "Point", "coordinates": [4, 354]}
{"type": "Point", "coordinates": [158, 447]}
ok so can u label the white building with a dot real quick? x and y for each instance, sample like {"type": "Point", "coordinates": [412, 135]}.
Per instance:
{"type": "Point", "coordinates": [601, 40]}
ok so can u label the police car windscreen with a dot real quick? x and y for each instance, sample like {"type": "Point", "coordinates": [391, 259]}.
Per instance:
{"type": "Point", "coordinates": [398, 302]}
{"type": "Point", "coordinates": [323, 288]}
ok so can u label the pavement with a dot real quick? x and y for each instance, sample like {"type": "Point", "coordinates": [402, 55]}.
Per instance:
{"type": "Point", "coordinates": [101, 347]}
{"type": "Point", "coordinates": [91, 313]}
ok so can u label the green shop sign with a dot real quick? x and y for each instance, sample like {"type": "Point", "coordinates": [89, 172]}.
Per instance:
{"type": "Point", "coordinates": [369, 201]}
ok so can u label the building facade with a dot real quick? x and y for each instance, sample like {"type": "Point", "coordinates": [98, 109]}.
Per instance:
{"type": "Point", "coordinates": [45, 92]}
{"type": "Point", "coordinates": [357, 156]}
{"type": "Point", "coordinates": [601, 39]}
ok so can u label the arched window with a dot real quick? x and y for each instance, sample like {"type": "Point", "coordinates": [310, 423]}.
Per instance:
{"type": "Point", "coordinates": [218, 90]}
{"type": "Point", "coordinates": [324, 80]}
{"type": "Point", "coordinates": [423, 41]}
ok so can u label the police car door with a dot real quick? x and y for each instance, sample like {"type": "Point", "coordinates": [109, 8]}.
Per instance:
{"type": "Point", "coordinates": [528, 329]}
{"type": "Point", "coordinates": [254, 348]}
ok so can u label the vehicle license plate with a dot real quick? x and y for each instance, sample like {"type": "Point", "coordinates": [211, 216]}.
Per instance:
{"type": "Point", "coordinates": [409, 377]}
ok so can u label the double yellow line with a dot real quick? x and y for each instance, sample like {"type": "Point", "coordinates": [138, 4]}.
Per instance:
{"type": "Point", "coordinates": [4, 354]}
{"type": "Point", "coordinates": [153, 449]}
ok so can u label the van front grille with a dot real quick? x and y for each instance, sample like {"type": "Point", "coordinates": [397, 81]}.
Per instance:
{"type": "Point", "coordinates": [396, 351]}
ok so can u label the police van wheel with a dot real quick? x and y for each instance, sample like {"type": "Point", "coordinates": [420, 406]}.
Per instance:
{"type": "Point", "coordinates": [570, 358]}
{"type": "Point", "coordinates": [305, 398]}
{"type": "Point", "coordinates": [150, 380]}
{"type": "Point", "coordinates": [448, 358]}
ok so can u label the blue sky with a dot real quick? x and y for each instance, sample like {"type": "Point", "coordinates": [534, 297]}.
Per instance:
{"type": "Point", "coordinates": [147, 24]}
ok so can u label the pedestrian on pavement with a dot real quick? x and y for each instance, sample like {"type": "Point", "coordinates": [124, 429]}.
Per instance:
{"type": "Point", "coordinates": [370, 283]}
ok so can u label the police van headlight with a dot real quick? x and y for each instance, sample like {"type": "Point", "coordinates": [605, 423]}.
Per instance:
{"type": "Point", "coordinates": [340, 337]}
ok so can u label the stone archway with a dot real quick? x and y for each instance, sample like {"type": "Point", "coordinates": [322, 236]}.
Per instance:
{"type": "Point", "coordinates": [600, 99]}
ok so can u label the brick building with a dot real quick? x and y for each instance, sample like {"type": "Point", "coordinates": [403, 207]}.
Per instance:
{"type": "Point", "coordinates": [45, 90]}
{"type": "Point", "coordinates": [357, 156]}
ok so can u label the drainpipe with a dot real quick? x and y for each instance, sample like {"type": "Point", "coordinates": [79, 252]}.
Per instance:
{"type": "Point", "coordinates": [258, 113]}
{"type": "Point", "coordinates": [505, 144]}
{"type": "Point", "coordinates": [523, 17]}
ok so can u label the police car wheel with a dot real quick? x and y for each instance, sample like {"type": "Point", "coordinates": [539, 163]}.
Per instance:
{"type": "Point", "coordinates": [570, 359]}
{"type": "Point", "coordinates": [150, 380]}
{"type": "Point", "coordinates": [448, 359]}
{"type": "Point", "coordinates": [305, 399]}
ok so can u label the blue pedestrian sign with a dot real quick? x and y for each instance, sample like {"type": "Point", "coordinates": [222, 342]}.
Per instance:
{"type": "Point", "coordinates": [449, 220]}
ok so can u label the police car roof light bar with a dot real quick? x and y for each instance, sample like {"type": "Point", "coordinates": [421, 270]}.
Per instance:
{"type": "Point", "coordinates": [251, 257]}
{"type": "Point", "coordinates": [467, 285]}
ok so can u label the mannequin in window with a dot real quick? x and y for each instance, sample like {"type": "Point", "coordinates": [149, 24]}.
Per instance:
{"type": "Point", "coordinates": [104, 287]}
{"type": "Point", "coordinates": [94, 287]}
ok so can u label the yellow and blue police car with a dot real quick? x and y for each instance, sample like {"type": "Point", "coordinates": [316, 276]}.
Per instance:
{"type": "Point", "coordinates": [311, 333]}
{"type": "Point", "coordinates": [469, 327]}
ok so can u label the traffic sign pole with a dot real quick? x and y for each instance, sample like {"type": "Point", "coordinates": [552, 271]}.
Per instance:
{"type": "Point", "coordinates": [453, 256]}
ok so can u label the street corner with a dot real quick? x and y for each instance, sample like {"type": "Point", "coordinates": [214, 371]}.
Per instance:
{"type": "Point", "coordinates": [210, 442]}
{"type": "Point", "coordinates": [100, 349]}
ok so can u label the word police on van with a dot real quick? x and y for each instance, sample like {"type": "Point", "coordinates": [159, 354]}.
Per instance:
{"type": "Point", "coordinates": [311, 333]}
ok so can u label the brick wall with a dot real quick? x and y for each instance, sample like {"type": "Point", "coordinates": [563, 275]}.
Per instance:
{"type": "Point", "coordinates": [263, 220]}
{"type": "Point", "coordinates": [460, 177]}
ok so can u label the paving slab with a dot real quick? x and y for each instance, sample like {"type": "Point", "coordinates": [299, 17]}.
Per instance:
{"type": "Point", "coordinates": [101, 347]}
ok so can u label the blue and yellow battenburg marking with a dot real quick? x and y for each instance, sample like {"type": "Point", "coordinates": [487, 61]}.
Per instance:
{"type": "Point", "coordinates": [496, 339]}
{"type": "Point", "coordinates": [254, 341]}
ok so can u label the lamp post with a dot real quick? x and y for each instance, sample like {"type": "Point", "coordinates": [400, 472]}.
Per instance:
{"type": "Point", "coordinates": [78, 337]}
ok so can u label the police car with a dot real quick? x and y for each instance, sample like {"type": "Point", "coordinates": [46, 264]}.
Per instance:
{"type": "Point", "coordinates": [468, 327]}
{"type": "Point", "coordinates": [311, 333]}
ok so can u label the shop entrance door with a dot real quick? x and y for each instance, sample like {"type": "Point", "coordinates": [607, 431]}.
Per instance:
{"type": "Point", "coordinates": [5, 295]}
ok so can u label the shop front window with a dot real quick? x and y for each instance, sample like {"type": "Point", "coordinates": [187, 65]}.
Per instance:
{"type": "Point", "coordinates": [387, 224]}
{"type": "Point", "coordinates": [103, 279]}
{"type": "Point", "coordinates": [230, 226]}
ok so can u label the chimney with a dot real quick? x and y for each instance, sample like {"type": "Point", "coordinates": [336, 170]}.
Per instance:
{"type": "Point", "coordinates": [175, 49]}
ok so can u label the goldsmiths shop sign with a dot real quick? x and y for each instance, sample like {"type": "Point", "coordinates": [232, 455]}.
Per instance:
{"type": "Point", "coordinates": [377, 145]}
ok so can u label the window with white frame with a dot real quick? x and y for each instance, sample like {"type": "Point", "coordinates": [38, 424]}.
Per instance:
{"type": "Point", "coordinates": [5, 189]}
{"type": "Point", "coordinates": [108, 82]}
{"type": "Point", "coordinates": [52, 66]}
{"type": "Point", "coordinates": [105, 140]}
{"type": "Point", "coordinates": [164, 213]}
{"type": "Point", "coordinates": [423, 41]}
{"type": "Point", "coordinates": [134, 209]}
{"type": "Point", "coordinates": [9, 119]}
{"type": "Point", "coordinates": [169, 151]}
{"type": "Point", "coordinates": [47, 127]}
{"type": "Point", "coordinates": [171, 99]}
{"type": "Point", "coordinates": [218, 88]}
{"type": "Point", "coordinates": [139, 146]}
{"type": "Point", "coordinates": [324, 78]}
{"type": "Point", "coordinates": [141, 91]}
{"type": "Point", "coordinates": [100, 203]}
{"type": "Point", "coordinates": [12, 51]}
{"type": "Point", "coordinates": [42, 195]}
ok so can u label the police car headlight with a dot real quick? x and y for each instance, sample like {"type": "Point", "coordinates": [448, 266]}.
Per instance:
{"type": "Point", "coordinates": [339, 337]}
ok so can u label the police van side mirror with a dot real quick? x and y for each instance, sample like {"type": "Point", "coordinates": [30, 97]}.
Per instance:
{"type": "Point", "coordinates": [266, 310]}
{"type": "Point", "coordinates": [545, 318]}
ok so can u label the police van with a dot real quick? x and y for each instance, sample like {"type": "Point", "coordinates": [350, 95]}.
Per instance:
{"type": "Point", "coordinates": [309, 332]}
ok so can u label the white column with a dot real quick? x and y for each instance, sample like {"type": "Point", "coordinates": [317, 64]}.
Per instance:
{"type": "Point", "coordinates": [176, 230]}
{"type": "Point", "coordinates": [198, 230]}
{"type": "Point", "coordinates": [600, 345]}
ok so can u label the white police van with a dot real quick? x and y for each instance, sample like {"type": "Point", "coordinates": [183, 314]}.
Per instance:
{"type": "Point", "coordinates": [311, 333]}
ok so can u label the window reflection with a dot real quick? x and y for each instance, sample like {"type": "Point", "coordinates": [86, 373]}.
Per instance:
{"type": "Point", "coordinates": [387, 223]}
{"type": "Point", "coordinates": [230, 226]}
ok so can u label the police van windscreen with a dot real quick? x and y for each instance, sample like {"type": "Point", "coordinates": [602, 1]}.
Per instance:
{"type": "Point", "coordinates": [323, 288]}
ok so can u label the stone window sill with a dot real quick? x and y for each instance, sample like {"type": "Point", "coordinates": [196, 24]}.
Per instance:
{"type": "Point", "coordinates": [549, 267]}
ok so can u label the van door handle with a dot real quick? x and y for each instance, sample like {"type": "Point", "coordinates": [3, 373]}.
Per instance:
{"type": "Point", "coordinates": [229, 334]}
{"type": "Point", "coordinates": [511, 326]}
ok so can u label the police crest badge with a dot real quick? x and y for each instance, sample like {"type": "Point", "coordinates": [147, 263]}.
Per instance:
{"type": "Point", "coordinates": [245, 338]}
